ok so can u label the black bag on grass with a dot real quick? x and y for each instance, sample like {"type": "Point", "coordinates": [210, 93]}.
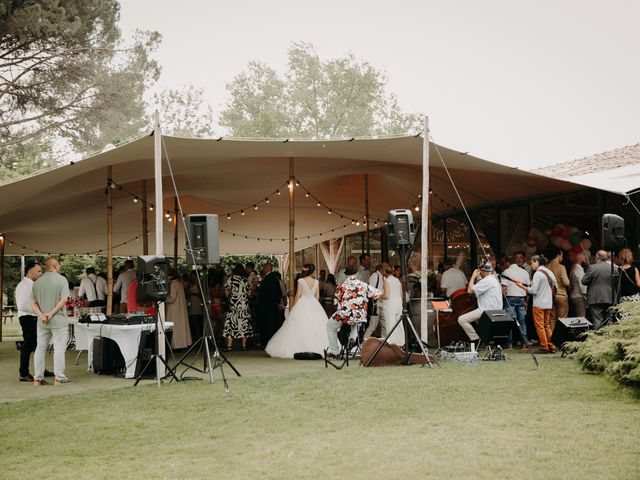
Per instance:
{"type": "Point", "coordinates": [307, 356]}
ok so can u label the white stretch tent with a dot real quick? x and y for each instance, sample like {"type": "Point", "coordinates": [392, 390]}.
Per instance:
{"type": "Point", "coordinates": [64, 210]}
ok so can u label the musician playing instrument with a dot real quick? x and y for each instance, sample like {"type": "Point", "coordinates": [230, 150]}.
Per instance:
{"type": "Point", "coordinates": [489, 295]}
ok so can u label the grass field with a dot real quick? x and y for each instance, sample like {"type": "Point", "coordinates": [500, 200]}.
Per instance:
{"type": "Point", "coordinates": [489, 420]}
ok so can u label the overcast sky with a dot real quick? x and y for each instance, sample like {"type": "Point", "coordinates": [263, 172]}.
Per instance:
{"type": "Point", "coordinates": [522, 83]}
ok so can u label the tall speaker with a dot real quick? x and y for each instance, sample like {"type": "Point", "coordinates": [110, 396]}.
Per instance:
{"type": "Point", "coordinates": [203, 233]}
{"type": "Point", "coordinates": [612, 232]}
{"type": "Point", "coordinates": [494, 325]}
{"type": "Point", "coordinates": [401, 228]}
{"type": "Point", "coordinates": [152, 279]}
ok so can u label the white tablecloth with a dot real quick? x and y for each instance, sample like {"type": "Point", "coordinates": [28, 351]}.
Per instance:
{"type": "Point", "coordinates": [126, 336]}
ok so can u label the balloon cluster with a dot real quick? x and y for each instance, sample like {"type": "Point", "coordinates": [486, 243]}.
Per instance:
{"type": "Point", "coordinates": [569, 239]}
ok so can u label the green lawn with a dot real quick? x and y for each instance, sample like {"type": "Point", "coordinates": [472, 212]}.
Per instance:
{"type": "Point", "coordinates": [489, 420]}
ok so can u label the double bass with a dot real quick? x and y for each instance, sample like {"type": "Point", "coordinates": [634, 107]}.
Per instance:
{"type": "Point", "coordinates": [460, 302]}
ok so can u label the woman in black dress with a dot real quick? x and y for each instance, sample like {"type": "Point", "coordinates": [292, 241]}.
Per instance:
{"type": "Point", "coordinates": [238, 318]}
{"type": "Point", "coordinates": [630, 277]}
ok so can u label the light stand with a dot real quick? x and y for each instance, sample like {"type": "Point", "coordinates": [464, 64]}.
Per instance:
{"type": "Point", "coordinates": [405, 319]}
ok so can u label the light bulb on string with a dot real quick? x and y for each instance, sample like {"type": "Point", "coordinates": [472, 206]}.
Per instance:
{"type": "Point", "coordinates": [306, 194]}
{"type": "Point", "coordinates": [241, 212]}
{"type": "Point", "coordinates": [255, 207]}
{"type": "Point", "coordinates": [228, 216]}
{"type": "Point", "coordinates": [266, 200]}
{"type": "Point", "coordinates": [277, 192]}
{"type": "Point", "coordinates": [151, 208]}
{"type": "Point", "coordinates": [417, 208]}
{"type": "Point", "coordinates": [135, 199]}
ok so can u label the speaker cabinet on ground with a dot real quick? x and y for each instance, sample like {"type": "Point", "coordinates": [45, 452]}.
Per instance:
{"type": "Point", "coordinates": [203, 233]}
{"type": "Point", "coordinates": [107, 358]}
{"type": "Point", "coordinates": [494, 325]}
{"type": "Point", "coordinates": [570, 329]}
{"type": "Point", "coordinates": [612, 232]}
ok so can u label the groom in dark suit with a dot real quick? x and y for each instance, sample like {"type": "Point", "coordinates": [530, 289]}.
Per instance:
{"type": "Point", "coordinates": [599, 291]}
{"type": "Point", "coordinates": [269, 297]}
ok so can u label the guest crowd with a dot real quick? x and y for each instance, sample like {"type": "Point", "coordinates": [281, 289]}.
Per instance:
{"type": "Point", "coordinates": [545, 288]}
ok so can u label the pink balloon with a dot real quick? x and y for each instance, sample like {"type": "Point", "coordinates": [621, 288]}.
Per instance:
{"type": "Point", "coordinates": [557, 241]}
{"type": "Point", "coordinates": [585, 243]}
{"type": "Point", "coordinates": [576, 249]}
{"type": "Point", "coordinates": [566, 233]}
{"type": "Point", "coordinates": [566, 244]}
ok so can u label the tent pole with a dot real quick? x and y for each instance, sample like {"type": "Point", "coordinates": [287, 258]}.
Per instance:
{"type": "Point", "coordinates": [175, 233]}
{"type": "Point", "coordinates": [109, 244]}
{"type": "Point", "coordinates": [292, 231]}
{"type": "Point", "coordinates": [145, 220]}
{"type": "Point", "coordinates": [367, 244]}
{"type": "Point", "coordinates": [157, 173]}
{"type": "Point", "coordinates": [424, 238]}
{"type": "Point", "coordinates": [1, 282]}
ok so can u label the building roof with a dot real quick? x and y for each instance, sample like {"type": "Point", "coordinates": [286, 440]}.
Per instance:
{"type": "Point", "coordinates": [600, 162]}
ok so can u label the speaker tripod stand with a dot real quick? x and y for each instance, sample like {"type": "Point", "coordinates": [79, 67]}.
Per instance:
{"type": "Point", "coordinates": [405, 319]}
{"type": "Point", "coordinates": [156, 356]}
{"type": "Point", "coordinates": [203, 343]}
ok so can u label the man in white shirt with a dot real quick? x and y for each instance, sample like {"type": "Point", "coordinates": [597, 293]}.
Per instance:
{"type": "Point", "coordinates": [94, 288]}
{"type": "Point", "coordinates": [351, 263]}
{"type": "Point", "coordinates": [489, 294]}
{"type": "Point", "coordinates": [519, 259]}
{"type": "Point", "coordinates": [122, 284]}
{"type": "Point", "coordinates": [27, 317]}
{"type": "Point", "coordinates": [452, 279]}
{"type": "Point", "coordinates": [516, 297]}
{"type": "Point", "coordinates": [376, 280]}
{"type": "Point", "coordinates": [363, 270]}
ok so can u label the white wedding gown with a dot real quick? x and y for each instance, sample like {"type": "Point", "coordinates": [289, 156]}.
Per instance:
{"type": "Point", "coordinates": [304, 330]}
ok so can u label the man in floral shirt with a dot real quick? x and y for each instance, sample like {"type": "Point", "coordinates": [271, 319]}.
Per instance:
{"type": "Point", "coordinates": [353, 298]}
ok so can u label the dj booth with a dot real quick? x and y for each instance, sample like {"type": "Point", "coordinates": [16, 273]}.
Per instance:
{"type": "Point", "coordinates": [126, 330]}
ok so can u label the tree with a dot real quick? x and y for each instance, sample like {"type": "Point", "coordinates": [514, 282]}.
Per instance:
{"type": "Point", "coordinates": [343, 97]}
{"type": "Point", "coordinates": [64, 71]}
{"type": "Point", "coordinates": [185, 113]}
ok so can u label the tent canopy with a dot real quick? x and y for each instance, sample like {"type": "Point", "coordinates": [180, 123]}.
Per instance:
{"type": "Point", "coordinates": [63, 210]}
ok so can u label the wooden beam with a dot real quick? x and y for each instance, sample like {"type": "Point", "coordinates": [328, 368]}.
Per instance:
{"type": "Point", "coordinates": [292, 232]}
{"type": "Point", "coordinates": [109, 244]}
{"type": "Point", "coordinates": [145, 219]}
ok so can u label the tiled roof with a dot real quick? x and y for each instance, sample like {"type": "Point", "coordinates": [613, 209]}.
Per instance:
{"type": "Point", "coordinates": [600, 162]}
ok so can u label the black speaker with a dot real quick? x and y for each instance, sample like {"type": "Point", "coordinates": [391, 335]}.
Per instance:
{"type": "Point", "coordinates": [570, 329]}
{"type": "Point", "coordinates": [612, 232]}
{"type": "Point", "coordinates": [152, 278]}
{"type": "Point", "coordinates": [401, 228]}
{"type": "Point", "coordinates": [203, 233]}
{"type": "Point", "coordinates": [107, 358]}
{"type": "Point", "coordinates": [494, 325]}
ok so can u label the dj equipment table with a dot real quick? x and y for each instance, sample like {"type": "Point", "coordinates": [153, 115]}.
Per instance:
{"type": "Point", "coordinates": [126, 336]}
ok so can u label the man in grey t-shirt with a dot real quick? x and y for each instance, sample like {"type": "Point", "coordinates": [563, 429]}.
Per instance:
{"type": "Point", "coordinates": [49, 299]}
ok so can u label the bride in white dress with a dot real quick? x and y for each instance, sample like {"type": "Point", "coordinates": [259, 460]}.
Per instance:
{"type": "Point", "coordinates": [305, 329]}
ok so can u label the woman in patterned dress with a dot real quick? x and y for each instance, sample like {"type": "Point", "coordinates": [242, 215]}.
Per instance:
{"type": "Point", "coordinates": [238, 319]}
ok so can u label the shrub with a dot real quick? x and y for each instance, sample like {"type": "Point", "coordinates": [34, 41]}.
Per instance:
{"type": "Point", "coordinates": [614, 350]}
